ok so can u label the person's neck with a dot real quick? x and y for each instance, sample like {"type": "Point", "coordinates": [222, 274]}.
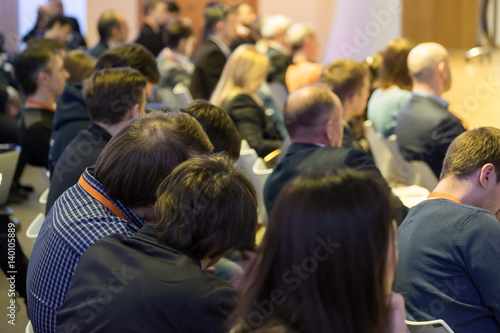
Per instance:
{"type": "Point", "coordinates": [432, 88]}
{"type": "Point", "coordinates": [145, 213]}
{"type": "Point", "coordinates": [41, 97]}
{"type": "Point", "coordinates": [152, 23]}
{"type": "Point", "coordinates": [300, 56]}
{"type": "Point", "coordinates": [312, 141]}
{"type": "Point", "coordinates": [463, 190]}
{"type": "Point", "coordinates": [222, 39]}
{"type": "Point", "coordinates": [112, 129]}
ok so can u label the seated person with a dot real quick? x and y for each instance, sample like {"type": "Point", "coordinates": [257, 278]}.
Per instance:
{"type": "Point", "coordinates": [204, 208]}
{"type": "Point", "coordinates": [41, 74]}
{"type": "Point", "coordinates": [236, 93]}
{"type": "Point", "coordinates": [59, 28]}
{"type": "Point", "coordinates": [334, 272]}
{"type": "Point", "coordinates": [449, 254]}
{"type": "Point", "coordinates": [101, 92]}
{"type": "Point", "coordinates": [350, 81]}
{"type": "Point", "coordinates": [115, 197]}
{"type": "Point", "coordinates": [113, 31]}
{"type": "Point", "coordinates": [9, 113]}
{"type": "Point", "coordinates": [425, 127]}
{"type": "Point", "coordinates": [393, 88]}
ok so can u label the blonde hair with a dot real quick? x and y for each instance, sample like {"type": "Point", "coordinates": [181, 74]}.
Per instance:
{"type": "Point", "coordinates": [244, 72]}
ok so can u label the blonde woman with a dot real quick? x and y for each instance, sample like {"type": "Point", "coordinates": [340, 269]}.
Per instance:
{"type": "Point", "coordinates": [236, 92]}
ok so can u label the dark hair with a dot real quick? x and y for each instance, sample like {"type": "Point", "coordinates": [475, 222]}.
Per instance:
{"type": "Point", "coordinates": [394, 67]}
{"type": "Point", "coordinates": [322, 265]}
{"type": "Point", "coordinates": [107, 22]}
{"type": "Point", "coordinates": [173, 7]}
{"type": "Point", "coordinates": [45, 43]}
{"type": "Point", "coordinates": [471, 150]}
{"type": "Point", "coordinates": [207, 206]}
{"type": "Point", "coordinates": [4, 97]}
{"type": "Point", "coordinates": [218, 125]}
{"type": "Point", "coordinates": [131, 55]}
{"type": "Point", "coordinates": [345, 77]}
{"type": "Point", "coordinates": [175, 32]}
{"type": "Point", "coordinates": [61, 19]}
{"type": "Point", "coordinates": [79, 65]}
{"type": "Point", "coordinates": [110, 93]}
{"type": "Point", "coordinates": [139, 157]}
{"type": "Point", "coordinates": [151, 4]}
{"type": "Point", "coordinates": [214, 12]}
{"type": "Point", "coordinates": [28, 64]}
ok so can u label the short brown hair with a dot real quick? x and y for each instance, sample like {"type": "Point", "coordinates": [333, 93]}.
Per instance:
{"type": "Point", "coordinates": [208, 206]}
{"type": "Point", "coordinates": [107, 21]}
{"type": "Point", "coordinates": [471, 150]}
{"type": "Point", "coordinates": [151, 4]}
{"type": "Point", "coordinates": [218, 125]}
{"type": "Point", "coordinates": [345, 77]}
{"type": "Point", "coordinates": [131, 55]}
{"type": "Point", "coordinates": [110, 93]}
{"type": "Point", "coordinates": [394, 67]}
{"type": "Point", "coordinates": [79, 65]}
{"type": "Point", "coordinates": [29, 63]}
{"type": "Point", "coordinates": [143, 153]}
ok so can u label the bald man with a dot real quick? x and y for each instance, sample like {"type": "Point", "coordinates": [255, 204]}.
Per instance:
{"type": "Point", "coordinates": [313, 118]}
{"type": "Point", "coordinates": [425, 127]}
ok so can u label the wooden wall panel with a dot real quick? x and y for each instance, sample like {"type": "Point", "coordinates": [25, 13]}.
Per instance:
{"type": "Point", "coordinates": [452, 23]}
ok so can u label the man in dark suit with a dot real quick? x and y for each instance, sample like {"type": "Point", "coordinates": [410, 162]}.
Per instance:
{"type": "Point", "coordinates": [425, 127]}
{"type": "Point", "coordinates": [313, 117]}
{"type": "Point", "coordinates": [156, 15]}
{"type": "Point", "coordinates": [219, 32]}
{"type": "Point", "coordinates": [113, 30]}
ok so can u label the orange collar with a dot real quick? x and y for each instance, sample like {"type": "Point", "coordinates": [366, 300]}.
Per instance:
{"type": "Point", "coordinates": [443, 195]}
{"type": "Point", "coordinates": [42, 105]}
{"type": "Point", "coordinates": [101, 198]}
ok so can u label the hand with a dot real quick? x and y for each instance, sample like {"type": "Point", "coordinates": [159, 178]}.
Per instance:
{"type": "Point", "coordinates": [397, 313]}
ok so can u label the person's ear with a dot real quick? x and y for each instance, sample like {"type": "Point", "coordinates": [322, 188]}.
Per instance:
{"type": "Point", "coordinates": [134, 111]}
{"type": "Point", "coordinates": [487, 175]}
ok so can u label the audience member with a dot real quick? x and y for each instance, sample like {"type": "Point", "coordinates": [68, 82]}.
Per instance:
{"type": "Point", "coordinates": [68, 124]}
{"type": "Point", "coordinates": [448, 245]}
{"type": "Point", "coordinates": [204, 208]}
{"type": "Point", "coordinates": [116, 197]}
{"type": "Point", "coordinates": [44, 14]}
{"type": "Point", "coordinates": [313, 117]}
{"type": "Point", "coordinates": [156, 15]}
{"type": "Point", "coordinates": [113, 97]}
{"type": "Point", "coordinates": [393, 88]}
{"type": "Point", "coordinates": [245, 17]}
{"type": "Point", "coordinates": [9, 113]}
{"type": "Point", "coordinates": [174, 64]}
{"type": "Point", "coordinates": [113, 30]}
{"type": "Point", "coordinates": [304, 44]}
{"type": "Point", "coordinates": [219, 32]}
{"type": "Point", "coordinates": [42, 76]}
{"type": "Point", "coordinates": [58, 28]}
{"type": "Point", "coordinates": [218, 125]}
{"type": "Point", "coordinates": [236, 93]}
{"type": "Point", "coordinates": [333, 273]}
{"type": "Point", "coordinates": [274, 32]}
{"type": "Point", "coordinates": [425, 127]}
{"type": "Point", "coordinates": [350, 81]}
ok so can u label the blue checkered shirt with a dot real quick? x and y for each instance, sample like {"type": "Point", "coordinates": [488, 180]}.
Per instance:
{"type": "Point", "coordinates": [75, 222]}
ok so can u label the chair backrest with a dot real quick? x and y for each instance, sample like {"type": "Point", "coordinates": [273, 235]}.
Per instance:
{"type": "Point", "coordinates": [260, 172]}
{"type": "Point", "coordinates": [432, 326]}
{"type": "Point", "coordinates": [244, 145]}
{"type": "Point", "coordinates": [34, 228]}
{"type": "Point", "coordinates": [29, 328]}
{"type": "Point", "coordinates": [8, 163]}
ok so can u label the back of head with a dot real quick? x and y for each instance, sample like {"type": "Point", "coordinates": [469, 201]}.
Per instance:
{"type": "Point", "coordinates": [308, 109]}
{"type": "Point", "coordinates": [29, 63]}
{"type": "Point", "coordinates": [275, 25]}
{"type": "Point", "coordinates": [131, 55]}
{"type": "Point", "coordinates": [175, 32]}
{"type": "Point", "coordinates": [54, 45]}
{"type": "Point", "coordinates": [326, 251]}
{"type": "Point", "coordinates": [207, 206]}
{"type": "Point", "coordinates": [150, 5]}
{"type": "Point", "coordinates": [218, 125]}
{"type": "Point", "coordinates": [245, 70]}
{"type": "Point", "coordinates": [470, 151]}
{"type": "Point", "coordinates": [394, 66]}
{"type": "Point", "coordinates": [423, 60]}
{"type": "Point", "coordinates": [173, 7]}
{"type": "Point", "coordinates": [296, 34]}
{"type": "Point", "coordinates": [79, 65]}
{"type": "Point", "coordinates": [108, 21]}
{"type": "Point", "coordinates": [214, 12]}
{"type": "Point", "coordinates": [144, 152]}
{"type": "Point", "coordinates": [345, 77]}
{"type": "Point", "coordinates": [110, 94]}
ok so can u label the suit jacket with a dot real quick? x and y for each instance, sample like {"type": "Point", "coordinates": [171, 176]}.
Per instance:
{"type": "Point", "coordinates": [151, 40]}
{"type": "Point", "coordinates": [147, 285]}
{"type": "Point", "coordinates": [303, 157]}
{"type": "Point", "coordinates": [209, 64]}
{"type": "Point", "coordinates": [99, 49]}
{"type": "Point", "coordinates": [425, 129]}
{"type": "Point", "coordinates": [279, 65]}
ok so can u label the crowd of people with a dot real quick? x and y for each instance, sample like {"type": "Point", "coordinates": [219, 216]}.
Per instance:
{"type": "Point", "coordinates": [151, 226]}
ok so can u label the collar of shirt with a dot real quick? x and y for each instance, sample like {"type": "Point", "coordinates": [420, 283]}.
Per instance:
{"type": "Point", "coordinates": [437, 98]}
{"type": "Point", "coordinates": [223, 47]}
{"type": "Point", "coordinates": [279, 47]}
